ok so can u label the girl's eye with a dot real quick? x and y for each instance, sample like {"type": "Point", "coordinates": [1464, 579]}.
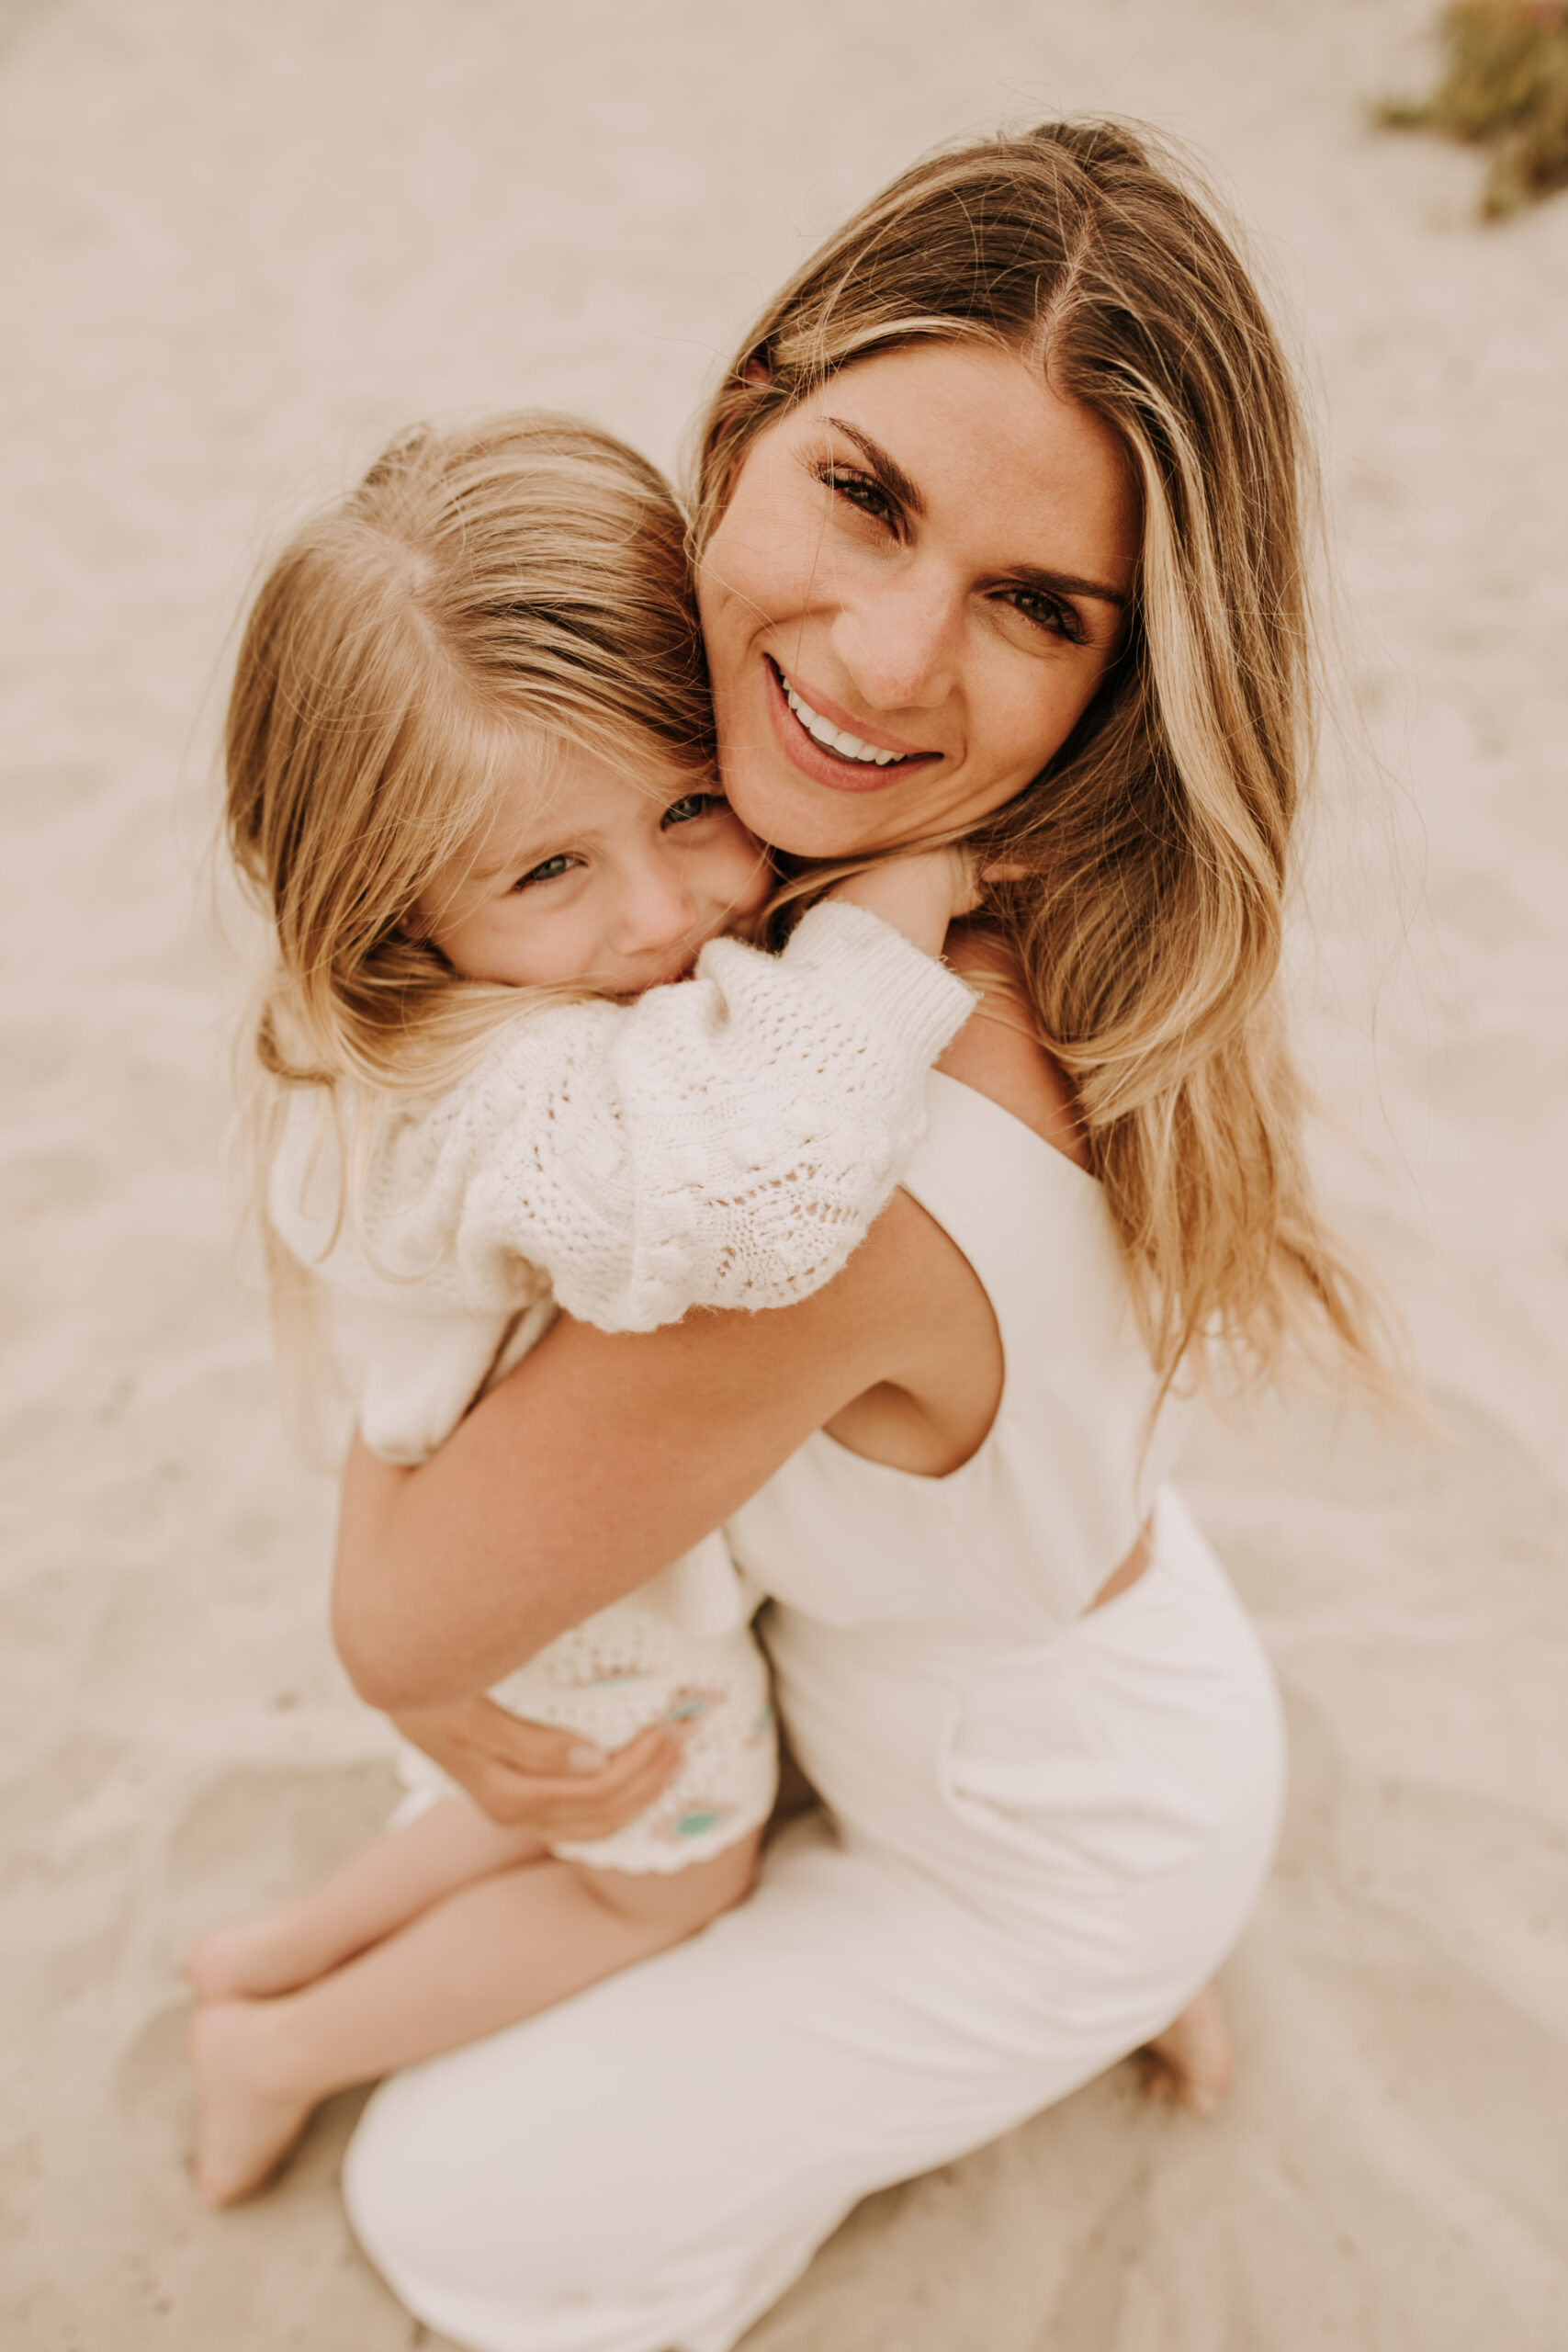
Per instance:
{"type": "Point", "coordinates": [1047, 615]}
{"type": "Point", "coordinates": [696, 804]}
{"type": "Point", "coordinates": [859, 491]}
{"type": "Point", "coordinates": [550, 869]}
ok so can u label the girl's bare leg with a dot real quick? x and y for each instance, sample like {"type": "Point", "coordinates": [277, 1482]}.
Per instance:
{"type": "Point", "coordinates": [443, 1848]}
{"type": "Point", "coordinates": [487, 1955]}
{"type": "Point", "coordinates": [1191, 2063]}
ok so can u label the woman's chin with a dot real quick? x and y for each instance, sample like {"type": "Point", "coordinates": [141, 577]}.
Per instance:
{"type": "Point", "coordinates": [819, 841]}
{"type": "Point", "coordinates": [800, 819]}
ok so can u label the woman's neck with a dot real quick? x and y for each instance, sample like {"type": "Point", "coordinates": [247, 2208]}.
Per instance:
{"type": "Point", "coordinates": [999, 1050]}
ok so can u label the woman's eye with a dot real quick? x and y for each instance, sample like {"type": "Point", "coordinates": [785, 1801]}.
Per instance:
{"type": "Point", "coordinates": [1056, 619]}
{"type": "Point", "coordinates": [860, 491]}
{"type": "Point", "coordinates": [550, 869]}
{"type": "Point", "coordinates": [696, 804]}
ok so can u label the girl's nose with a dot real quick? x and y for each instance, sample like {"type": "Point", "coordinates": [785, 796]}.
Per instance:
{"type": "Point", "coordinates": [656, 906]}
{"type": "Point", "coordinates": [898, 640]}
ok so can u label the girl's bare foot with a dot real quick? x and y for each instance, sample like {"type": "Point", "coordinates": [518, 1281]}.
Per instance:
{"type": "Point", "coordinates": [250, 2114]}
{"type": "Point", "coordinates": [1191, 2063]}
{"type": "Point", "coordinates": [251, 1960]}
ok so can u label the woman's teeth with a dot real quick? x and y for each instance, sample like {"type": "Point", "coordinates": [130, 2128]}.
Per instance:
{"type": "Point", "coordinates": [837, 739]}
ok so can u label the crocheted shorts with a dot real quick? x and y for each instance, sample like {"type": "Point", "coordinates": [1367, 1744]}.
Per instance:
{"type": "Point", "coordinates": [609, 1679]}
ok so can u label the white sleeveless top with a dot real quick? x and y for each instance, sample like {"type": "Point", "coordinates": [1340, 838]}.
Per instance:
{"type": "Point", "coordinates": [1020, 1539]}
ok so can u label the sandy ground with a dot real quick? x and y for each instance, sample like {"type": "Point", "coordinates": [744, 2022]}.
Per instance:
{"type": "Point", "coordinates": [238, 244]}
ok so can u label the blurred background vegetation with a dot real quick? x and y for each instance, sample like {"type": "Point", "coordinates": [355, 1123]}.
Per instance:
{"type": "Point", "coordinates": [1505, 88]}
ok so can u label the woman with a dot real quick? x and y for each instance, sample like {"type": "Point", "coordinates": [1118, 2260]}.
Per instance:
{"type": "Point", "coordinates": [998, 538]}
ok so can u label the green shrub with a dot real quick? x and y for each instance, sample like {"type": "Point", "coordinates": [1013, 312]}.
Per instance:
{"type": "Point", "coordinates": [1505, 88]}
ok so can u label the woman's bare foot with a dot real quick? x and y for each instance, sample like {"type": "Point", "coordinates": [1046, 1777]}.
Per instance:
{"type": "Point", "coordinates": [253, 1960]}
{"type": "Point", "coordinates": [250, 2114]}
{"type": "Point", "coordinates": [1191, 2063]}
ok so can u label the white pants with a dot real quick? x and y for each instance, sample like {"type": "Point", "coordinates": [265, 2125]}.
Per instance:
{"type": "Point", "coordinates": [1039, 1857]}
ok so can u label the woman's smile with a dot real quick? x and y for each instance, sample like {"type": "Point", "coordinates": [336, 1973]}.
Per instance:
{"type": "Point", "coordinates": [919, 583]}
{"type": "Point", "coordinates": [821, 740]}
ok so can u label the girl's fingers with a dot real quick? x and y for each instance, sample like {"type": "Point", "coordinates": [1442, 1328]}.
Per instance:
{"type": "Point", "coordinates": [963, 874]}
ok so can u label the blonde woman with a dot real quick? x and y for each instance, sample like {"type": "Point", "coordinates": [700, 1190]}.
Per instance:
{"type": "Point", "coordinates": [999, 537]}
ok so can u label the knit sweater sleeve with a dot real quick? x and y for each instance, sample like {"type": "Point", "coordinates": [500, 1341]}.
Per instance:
{"type": "Point", "coordinates": [723, 1142]}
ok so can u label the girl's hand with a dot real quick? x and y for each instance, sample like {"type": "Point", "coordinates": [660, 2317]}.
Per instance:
{"type": "Point", "coordinates": [919, 895]}
{"type": "Point", "coordinates": [525, 1776]}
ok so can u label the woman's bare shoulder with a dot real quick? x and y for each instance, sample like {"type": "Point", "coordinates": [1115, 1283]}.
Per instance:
{"type": "Point", "coordinates": [999, 1051]}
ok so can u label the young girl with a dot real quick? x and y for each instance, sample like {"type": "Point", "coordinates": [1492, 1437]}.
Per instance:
{"type": "Point", "coordinates": [470, 781]}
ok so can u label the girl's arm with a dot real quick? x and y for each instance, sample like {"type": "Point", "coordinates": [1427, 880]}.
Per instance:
{"type": "Point", "coordinates": [723, 1142]}
{"type": "Point", "coordinates": [604, 1457]}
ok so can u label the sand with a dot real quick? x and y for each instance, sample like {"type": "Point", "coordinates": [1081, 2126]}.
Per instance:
{"type": "Point", "coordinates": [238, 244]}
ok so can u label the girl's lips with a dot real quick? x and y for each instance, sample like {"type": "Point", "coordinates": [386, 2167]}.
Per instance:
{"type": "Point", "coordinates": [822, 767]}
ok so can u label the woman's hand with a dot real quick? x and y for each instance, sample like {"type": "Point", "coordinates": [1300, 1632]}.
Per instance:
{"type": "Point", "coordinates": [533, 1775]}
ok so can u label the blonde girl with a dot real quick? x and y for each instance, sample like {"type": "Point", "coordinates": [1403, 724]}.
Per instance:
{"type": "Point", "coordinates": [509, 1062]}
{"type": "Point", "coordinates": [1007, 483]}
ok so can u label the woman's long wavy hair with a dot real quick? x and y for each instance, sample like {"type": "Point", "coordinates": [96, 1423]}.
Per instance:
{"type": "Point", "coordinates": [1154, 847]}
{"type": "Point", "coordinates": [485, 594]}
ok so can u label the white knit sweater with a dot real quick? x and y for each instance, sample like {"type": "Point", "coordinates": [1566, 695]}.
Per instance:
{"type": "Point", "coordinates": [723, 1142]}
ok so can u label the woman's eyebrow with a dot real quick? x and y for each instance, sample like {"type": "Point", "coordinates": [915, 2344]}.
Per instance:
{"type": "Point", "coordinates": [898, 484]}
{"type": "Point", "coordinates": [1066, 583]}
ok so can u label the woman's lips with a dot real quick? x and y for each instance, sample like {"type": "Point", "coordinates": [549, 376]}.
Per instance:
{"type": "Point", "coordinates": [843, 775]}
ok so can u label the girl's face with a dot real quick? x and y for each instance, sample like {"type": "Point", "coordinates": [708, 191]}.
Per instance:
{"type": "Point", "coordinates": [587, 875]}
{"type": "Point", "coordinates": [916, 588]}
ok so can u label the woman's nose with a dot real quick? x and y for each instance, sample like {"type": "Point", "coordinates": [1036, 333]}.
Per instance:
{"type": "Point", "coordinates": [899, 640]}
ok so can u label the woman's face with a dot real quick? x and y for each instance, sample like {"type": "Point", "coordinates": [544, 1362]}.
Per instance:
{"type": "Point", "coordinates": [912, 595]}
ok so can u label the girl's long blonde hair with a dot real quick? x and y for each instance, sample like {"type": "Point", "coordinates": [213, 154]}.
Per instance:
{"type": "Point", "coordinates": [1154, 847]}
{"type": "Point", "coordinates": [485, 593]}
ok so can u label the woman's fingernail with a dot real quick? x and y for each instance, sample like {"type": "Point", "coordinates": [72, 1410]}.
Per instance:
{"type": "Point", "coordinates": [586, 1759]}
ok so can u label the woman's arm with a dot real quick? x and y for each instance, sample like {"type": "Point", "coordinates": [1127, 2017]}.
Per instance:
{"type": "Point", "coordinates": [605, 1455]}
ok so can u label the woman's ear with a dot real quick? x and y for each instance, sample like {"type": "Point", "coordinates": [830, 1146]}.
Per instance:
{"type": "Point", "coordinates": [757, 370]}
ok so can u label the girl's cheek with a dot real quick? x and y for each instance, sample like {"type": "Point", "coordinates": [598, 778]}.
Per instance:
{"type": "Point", "coordinates": [746, 879]}
{"type": "Point", "coordinates": [539, 953]}
{"type": "Point", "coordinates": [570, 953]}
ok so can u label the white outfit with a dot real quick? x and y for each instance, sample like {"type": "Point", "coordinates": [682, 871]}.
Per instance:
{"type": "Point", "coordinates": [725, 1142]}
{"type": "Point", "coordinates": [1045, 1829]}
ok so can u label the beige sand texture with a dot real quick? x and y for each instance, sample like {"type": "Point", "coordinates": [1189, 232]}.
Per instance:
{"type": "Point", "coordinates": [237, 246]}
